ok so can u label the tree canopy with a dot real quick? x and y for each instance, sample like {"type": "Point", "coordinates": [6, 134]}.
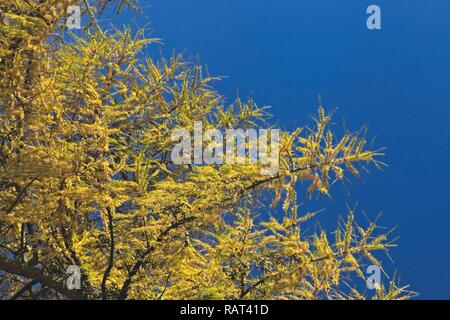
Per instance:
{"type": "Point", "coordinates": [86, 178]}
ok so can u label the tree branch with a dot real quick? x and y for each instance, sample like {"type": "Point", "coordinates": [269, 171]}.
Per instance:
{"type": "Point", "coordinates": [140, 262]}
{"type": "Point", "coordinates": [111, 253]}
{"type": "Point", "coordinates": [39, 276]}
{"type": "Point", "coordinates": [24, 289]}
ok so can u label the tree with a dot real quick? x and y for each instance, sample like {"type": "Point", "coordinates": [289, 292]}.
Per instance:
{"type": "Point", "coordinates": [86, 178]}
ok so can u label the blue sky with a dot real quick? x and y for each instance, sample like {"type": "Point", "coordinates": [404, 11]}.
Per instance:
{"type": "Point", "coordinates": [284, 53]}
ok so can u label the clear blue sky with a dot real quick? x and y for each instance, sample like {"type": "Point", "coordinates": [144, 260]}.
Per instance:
{"type": "Point", "coordinates": [397, 80]}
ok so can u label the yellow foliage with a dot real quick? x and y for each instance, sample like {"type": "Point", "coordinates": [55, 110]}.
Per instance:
{"type": "Point", "coordinates": [86, 178]}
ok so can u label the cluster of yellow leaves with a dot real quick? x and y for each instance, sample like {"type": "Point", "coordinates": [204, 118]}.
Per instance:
{"type": "Point", "coordinates": [86, 177]}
